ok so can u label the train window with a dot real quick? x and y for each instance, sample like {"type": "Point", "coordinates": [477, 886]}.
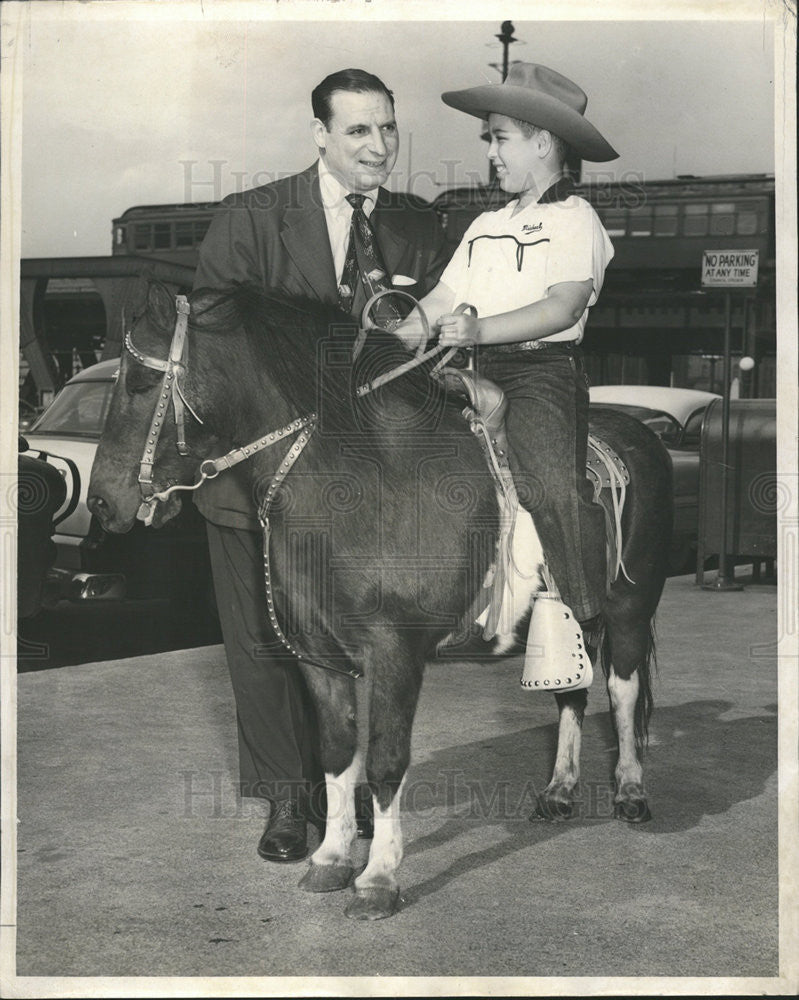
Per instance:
{"type": "Point", "coordinates": [722, 219]}
{"type": "Point", "coordinates": [641, 221]}
{"type": "Point", "coordinates": [142, 237]}
{"type": "Point", "coordinates": [162, 236]}
{"type": "Point", "coordinates": [184, 234]}
{"type": "Point", "coordinates": [695, 220]}
{"type": "Point", "coordinates": [666, 220]}
{"type": "Point", "coordinates": [119, 236]}
{"type": "Point", "coordinates": [615, 221]}
{"type": "Point", "coordinates": [747, 223]}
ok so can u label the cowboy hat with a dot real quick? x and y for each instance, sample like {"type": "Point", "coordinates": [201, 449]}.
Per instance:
{"type": "Point", "coordinates": [542, 97]}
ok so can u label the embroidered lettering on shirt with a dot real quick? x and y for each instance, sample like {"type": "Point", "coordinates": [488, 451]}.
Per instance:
{"type": "Point", "coordinates": [528, 227]}
{"type": "Point", "coordinates": [520, 247]}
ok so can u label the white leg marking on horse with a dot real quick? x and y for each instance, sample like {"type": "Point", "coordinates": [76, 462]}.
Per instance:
{"type": "Point", "coordinates": [340, 823]}
{"type": "Point", "coordinates": [385, 853]}
{"type": "Point", "coordinates": [567, 759]}
{"type": "Point", "coordinates": [623, 697]}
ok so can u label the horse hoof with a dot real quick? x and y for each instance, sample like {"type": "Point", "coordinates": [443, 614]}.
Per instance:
{"type": "Point", "coordinates": [632, 811]}
{"type": "Point", "coordinates": [326, 878]}
{"type": "Point", "coordinates": [374, 903]}
{"type": "Point", "coordinates": [552, 809]}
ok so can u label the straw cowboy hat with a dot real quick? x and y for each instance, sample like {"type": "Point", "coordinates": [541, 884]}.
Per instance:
{"type": "Point", "coordinates": [538, 95]}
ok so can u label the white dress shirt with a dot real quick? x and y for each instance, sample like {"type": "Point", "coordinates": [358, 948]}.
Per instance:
{"type": "Point", "coordinates": [338, 213]}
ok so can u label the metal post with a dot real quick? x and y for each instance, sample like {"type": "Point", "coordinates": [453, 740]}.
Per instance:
{"type": "Point", "coordinates": [725, 578]}
{"type": "Point", "coordinates": [506, 37]}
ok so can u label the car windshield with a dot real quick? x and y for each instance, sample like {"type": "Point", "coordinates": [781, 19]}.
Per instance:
{"type": "Point", "coordinates": [79, 410]}
{"type": "Point", "coordinates": [663, 424]}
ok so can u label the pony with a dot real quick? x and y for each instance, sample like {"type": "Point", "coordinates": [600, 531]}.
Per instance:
{"type": "Point", "coordinates": [381, 522]}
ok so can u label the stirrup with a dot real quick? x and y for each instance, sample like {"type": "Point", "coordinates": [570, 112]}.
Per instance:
{"type": "Point", "coordinates": [556, 658]}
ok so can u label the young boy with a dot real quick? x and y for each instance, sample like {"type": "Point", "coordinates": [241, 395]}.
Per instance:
{"type": "Point", "coordinates": [531, 270]}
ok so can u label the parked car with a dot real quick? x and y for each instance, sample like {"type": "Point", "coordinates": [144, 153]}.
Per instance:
{"type": "Point", "coordinates": [91, 564]}
{"type": "Point", "coordinates": [676, 416]}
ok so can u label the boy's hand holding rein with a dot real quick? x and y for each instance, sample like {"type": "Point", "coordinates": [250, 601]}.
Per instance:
{"type": "Point", "coordinates": [458, 330]}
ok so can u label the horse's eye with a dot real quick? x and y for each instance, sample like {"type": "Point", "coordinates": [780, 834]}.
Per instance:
{"type": "Point", "coordinates": [139, 379]}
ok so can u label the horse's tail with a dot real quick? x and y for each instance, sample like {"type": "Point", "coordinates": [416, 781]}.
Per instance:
{"type": "Point", "coordinates": [645, 668]}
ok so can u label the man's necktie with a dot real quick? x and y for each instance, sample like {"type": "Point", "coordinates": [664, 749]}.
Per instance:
{"type": "Point", "coordinates": [364, 265]}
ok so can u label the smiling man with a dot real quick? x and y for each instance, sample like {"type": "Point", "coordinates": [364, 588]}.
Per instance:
{"type": "Point", "coordinates": [293, 234]}
{"type": "Point", "coordinates": [357, 136]}
{"type": "Point", "coordinates": [334, 234]}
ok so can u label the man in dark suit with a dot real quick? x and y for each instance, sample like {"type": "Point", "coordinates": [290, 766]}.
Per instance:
{"type": "Point", "coordinates": [293, 235]}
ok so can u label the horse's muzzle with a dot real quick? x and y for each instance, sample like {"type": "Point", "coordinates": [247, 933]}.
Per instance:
{"type": "Point", "coordinates": [153, 512]}
{"type": "Point", "coordinates": [107, 515]}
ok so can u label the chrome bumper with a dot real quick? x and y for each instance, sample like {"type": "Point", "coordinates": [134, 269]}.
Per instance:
{"type": "Point", "coordinates": [63, 585]}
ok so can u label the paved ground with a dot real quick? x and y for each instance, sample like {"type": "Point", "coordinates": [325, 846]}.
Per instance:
{"type": "Point", "coordinates": [136, 858]}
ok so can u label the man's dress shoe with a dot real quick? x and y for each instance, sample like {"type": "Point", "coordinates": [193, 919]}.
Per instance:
{"type": "Point", "coordinates": [286, 835]}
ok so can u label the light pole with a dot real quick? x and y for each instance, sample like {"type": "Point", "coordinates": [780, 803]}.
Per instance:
{"type": "Point", "coordinates": [506, 37]}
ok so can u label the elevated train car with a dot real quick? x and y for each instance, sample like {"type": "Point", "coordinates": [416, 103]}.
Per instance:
{"type": "Point", "coordinates": [667, 224]}
{"type": "Point", "coordinates": [163, 232]}
{"type": "Point", "coordinates": [653, 323]}
{"type": "Point", "coordinates": [653, 224]}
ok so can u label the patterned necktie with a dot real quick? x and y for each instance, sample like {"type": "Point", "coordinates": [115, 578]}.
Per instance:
{"type": "Point", "coordinates": [364, 266]}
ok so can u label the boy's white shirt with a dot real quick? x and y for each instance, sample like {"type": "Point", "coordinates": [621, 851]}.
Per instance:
{"type": "Point", "coordinates": [507, 261]}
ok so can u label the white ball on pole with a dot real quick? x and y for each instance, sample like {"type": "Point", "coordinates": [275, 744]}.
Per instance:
{"type": "Point", "coordinates": [746, 364]}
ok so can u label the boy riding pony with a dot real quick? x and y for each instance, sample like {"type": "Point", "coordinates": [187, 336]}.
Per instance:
{"type": "Point", "coordinates": [531, 270]}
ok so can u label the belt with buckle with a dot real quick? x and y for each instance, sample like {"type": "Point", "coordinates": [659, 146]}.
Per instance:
{"type": "Point", "coordinates": [533, 345]}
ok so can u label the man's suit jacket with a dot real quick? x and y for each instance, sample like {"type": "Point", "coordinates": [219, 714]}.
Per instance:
{"type": "Point", "coordinates": [276, 236]}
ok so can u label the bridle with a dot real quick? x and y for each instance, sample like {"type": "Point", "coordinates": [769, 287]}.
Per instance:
{"type": "Point", "coordinates": [174, 368]}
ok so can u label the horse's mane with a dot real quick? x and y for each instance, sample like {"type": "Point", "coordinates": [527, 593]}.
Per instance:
{"type": "Point", "coordinates": [306, 347]}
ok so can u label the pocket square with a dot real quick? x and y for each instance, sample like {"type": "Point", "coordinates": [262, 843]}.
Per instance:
{"type": "Point", "coordinates": [402, 279]}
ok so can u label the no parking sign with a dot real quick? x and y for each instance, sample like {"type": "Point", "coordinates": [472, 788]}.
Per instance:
{"type": "Point", "coordinates": [729, 268]}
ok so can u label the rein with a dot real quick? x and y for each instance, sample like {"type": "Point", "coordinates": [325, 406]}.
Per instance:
{"type": "Point", "coordinates": [421, 355]}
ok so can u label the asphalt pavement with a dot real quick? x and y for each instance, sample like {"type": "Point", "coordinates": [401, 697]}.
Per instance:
{"type": "Point", "coordinates": [136, 858]}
